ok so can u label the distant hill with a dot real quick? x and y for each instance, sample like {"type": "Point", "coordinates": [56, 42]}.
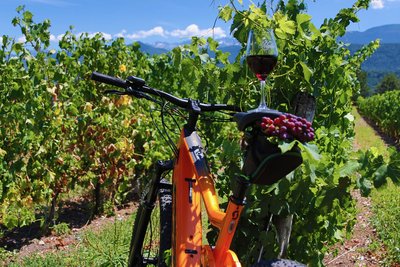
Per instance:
{"type": "Point", "coordinates": [152, 49]}
{"type": "Point", "coordinates": [385, 60]}
{"type": "Point", "coordinates": [387, 34]}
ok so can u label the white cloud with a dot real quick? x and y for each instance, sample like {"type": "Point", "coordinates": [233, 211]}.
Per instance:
{"type": "Point", "coordinates": [377, 4]}
{"type": "Point", "coordinates": [189, 31]}
{"type": "Point", "coordinates": [21, 39]}
{"type": "Point", "coordinates": [194, 30]}
{"type": "Point", "coordinates": [156, 31]}
{"type": "Point", "coordinates": [53, 38]}
{"type": "Point", "coordinates": [60, 36]}
{"type": "Point", "coordinates": [121, 34]}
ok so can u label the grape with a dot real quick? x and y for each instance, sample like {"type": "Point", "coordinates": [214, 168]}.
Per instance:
{"type": "Point", "coordinates": [267, 120]}
{"type": "Point", "coordinates": [263, 125]}
{"type": "Point", "coordinates": [283, 136]}
{"type": "Point", "coordinates": [288, 127]}
{"type": "Point", "coordinates": [291, 125]}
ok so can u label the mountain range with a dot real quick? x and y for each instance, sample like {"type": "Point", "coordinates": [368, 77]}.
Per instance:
{"type": "Point", "coordinates": [388, 34]}
{"type": "Point", "coordinates": [385, 60]}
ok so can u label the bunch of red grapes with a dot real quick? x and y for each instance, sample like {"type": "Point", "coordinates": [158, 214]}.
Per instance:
{"type": "Point", "coordinates": [288, 127]}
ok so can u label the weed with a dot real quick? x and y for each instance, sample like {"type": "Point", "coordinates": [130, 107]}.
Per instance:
{"type": "Point", "coordinates": [61, 229]}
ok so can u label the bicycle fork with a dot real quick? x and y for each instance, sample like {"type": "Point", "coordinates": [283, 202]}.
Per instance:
{"type": "Point", "coordinates": [145, 209]}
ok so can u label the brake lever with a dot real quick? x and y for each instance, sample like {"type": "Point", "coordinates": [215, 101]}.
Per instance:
{"type": "Point", "coordinates": [129, 91]}
{"type": "Point", "coordinates": [114, 92]}
{"type": "Point", "coordinates": [139, 94]}
{"type": "Point", "coordinates": [133, 92]}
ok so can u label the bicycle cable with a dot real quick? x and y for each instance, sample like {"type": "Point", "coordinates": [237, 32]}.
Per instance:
{"type": "Point", "coordinates": [165, 127]}
{"type": "Point", "coordinates": [162, 132]}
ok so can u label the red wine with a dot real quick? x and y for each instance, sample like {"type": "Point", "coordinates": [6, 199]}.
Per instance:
{"type": "Point", "coordinates": [262, 65]}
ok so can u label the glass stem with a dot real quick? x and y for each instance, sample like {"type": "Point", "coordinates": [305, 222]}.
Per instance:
{"type": "Point", "coordinates": [262, 105]}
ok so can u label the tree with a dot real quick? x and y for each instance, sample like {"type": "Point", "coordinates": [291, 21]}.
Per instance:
{"type": "Point", "coordinates": [365, 90]}
{"type": "Point", "coordinates": [389, 83]}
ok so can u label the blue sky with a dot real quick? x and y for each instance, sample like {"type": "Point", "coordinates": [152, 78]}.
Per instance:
{"type": "Point", "coordinates": [166, 20]}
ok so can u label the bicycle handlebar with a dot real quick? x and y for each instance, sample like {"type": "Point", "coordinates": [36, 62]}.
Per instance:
{"type": "Point", "coordinates": [136, 86]}
{"type": "Point", "coordinates": [100, 77]}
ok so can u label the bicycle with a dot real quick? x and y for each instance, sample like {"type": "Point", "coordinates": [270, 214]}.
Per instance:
{"type": "Point", "coordinates": [180, 201]}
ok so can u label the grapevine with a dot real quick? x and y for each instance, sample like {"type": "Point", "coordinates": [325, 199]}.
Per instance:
{"type": "Point", "coordinates": [77, 137]}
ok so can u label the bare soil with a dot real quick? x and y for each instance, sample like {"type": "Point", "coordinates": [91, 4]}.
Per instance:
{"type": "Point", "coordinates": [29, 240]}
{"type": "Point", "coordinates": [364, 247]}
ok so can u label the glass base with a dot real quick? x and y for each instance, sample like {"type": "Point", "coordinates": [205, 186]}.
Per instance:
{"type": "Point", "coordinates": [260, 108]}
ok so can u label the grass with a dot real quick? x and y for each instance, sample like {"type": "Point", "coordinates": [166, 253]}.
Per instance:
{"type": "Point", "coordinates": [366, 136]}
{"type": "Point", "coordinates": [385, 201]}
{"type": "Point", "coordinates": [386, 219]}
{"type": "Point", "coordinates": [106, 247]}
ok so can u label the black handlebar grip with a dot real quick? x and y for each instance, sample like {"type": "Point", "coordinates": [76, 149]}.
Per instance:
{"type": "Point", "coordinates": [136, 81]}
{"type": "Point", "coordinates": [96, 76]}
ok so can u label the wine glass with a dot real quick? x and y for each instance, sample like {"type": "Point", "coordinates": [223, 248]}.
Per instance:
{"type": "Point", "coordinates": [261, 57]}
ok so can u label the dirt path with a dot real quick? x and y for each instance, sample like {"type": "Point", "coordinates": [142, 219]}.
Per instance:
{"type": "Point", "coordinates": [27, 241]}
{"type": "Point", "coordinates": [363, 248]}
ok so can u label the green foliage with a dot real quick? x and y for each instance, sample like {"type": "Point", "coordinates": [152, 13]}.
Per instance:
{"type": "Point", "coordinates": [386, 220]}
{"type": "Point", "coordinates": [61, 229]}
{"type": "Point", "coordinates": [365, 90]}
{"type": "Point", "coordinates": [107, 246]}
{"type": "Point", "coordinates": [59, 132]}
{"type": "Point", "coordinates": [5, 256]}
{"type": "Point", "coordinates": [374, 169]}
{"type": "Point", "coordinates": [390, 82]}
{"type": "Point", "coordinates": [384, 110]}
{"type": "Point", "coordinates": [385, 199]}
{"type": "Point", "coordinates": [310, 60]}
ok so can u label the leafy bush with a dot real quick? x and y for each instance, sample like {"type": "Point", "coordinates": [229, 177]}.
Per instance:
{"type": "Point", "coordinates": [384, 111]}
{"type": "Point", "coordinates": [61, 229]}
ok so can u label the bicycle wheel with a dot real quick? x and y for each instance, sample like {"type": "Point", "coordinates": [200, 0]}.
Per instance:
{"type": "Point", "coordinates": [278, 263]}
{"type": "Point", "coordinates": [151, 235]}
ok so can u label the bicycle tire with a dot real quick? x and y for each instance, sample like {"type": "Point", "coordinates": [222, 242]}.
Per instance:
{"type": "Point", "coordinates": [278, 263]}
{"type": "Point", "coordinates": [152, 229]}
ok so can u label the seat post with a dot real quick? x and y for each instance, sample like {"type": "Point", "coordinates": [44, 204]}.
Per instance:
{"type": "Point", "coordinates": [241, 184]}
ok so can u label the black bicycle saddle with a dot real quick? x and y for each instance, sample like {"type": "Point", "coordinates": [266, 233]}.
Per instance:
{"type": "Point", "coordinates": [244, 119]}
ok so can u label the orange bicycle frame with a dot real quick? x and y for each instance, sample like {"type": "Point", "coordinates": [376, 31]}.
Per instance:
{"type": "Point", "coordinates": [192, 182]}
